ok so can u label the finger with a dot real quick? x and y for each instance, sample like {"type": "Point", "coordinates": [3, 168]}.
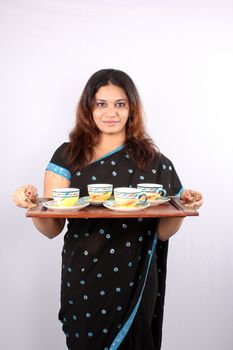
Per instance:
{"type": "Point", "coordinates": [198, 203]}
{"type": "Point", "coordinates": [197, 195]}
{"type": "Point", "coordinates": [195, 205]}
{"type": "Point", "coordinates": [31, 192]}
{"type": "Point", "coordinates": [20, 203]}
{"type": "Point", "coordinates": [19, 199]}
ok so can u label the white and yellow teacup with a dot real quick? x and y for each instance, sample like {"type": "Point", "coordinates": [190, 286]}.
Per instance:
{"type": "Point", "coordinates": [152, 191]}
{"type": "Point", "coordinates": [66, 197]}
{"type": "Point", "coordinates": [99, 193]}
{"type": "Point", "coordinates": [129, 196]}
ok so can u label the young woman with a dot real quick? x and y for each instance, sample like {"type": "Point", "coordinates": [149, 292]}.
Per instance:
{"type": "Point", "coordinates": [113, 270]}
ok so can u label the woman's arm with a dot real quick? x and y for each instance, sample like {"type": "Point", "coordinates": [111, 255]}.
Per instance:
{"type": "Point", "coordinates": [167, 227]}
{"type": "Point", "coordinates": [47, 226]}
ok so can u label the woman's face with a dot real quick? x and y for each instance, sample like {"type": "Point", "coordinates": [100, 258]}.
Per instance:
{"type": "Point", "coordinates": [111, 110]}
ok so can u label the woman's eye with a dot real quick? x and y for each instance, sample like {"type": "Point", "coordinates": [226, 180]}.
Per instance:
{"type": "Point", "coordinates": [100, 104]}
{"type": "Point", "coordinates": [120, 104]}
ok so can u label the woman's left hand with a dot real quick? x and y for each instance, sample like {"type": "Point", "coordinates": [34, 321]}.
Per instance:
{"type": "Point", "coordinates": [192, 199]}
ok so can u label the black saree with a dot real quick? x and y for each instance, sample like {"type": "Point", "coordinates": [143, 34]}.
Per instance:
{"type": "Point", "coordinates": [113, 270]}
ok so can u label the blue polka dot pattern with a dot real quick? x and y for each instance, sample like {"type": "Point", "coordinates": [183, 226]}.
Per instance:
{"type": "Point", "coordinates": [104, 261]}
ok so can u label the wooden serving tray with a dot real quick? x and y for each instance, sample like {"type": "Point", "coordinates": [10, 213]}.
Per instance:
{"type": "Point", "coordinates": [173, 208]}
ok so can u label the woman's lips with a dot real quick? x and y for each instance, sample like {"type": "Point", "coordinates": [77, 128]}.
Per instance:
{"type": "Point", "coordinates": [110, 122]}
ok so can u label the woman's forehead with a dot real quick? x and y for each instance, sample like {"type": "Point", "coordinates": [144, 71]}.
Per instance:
{"type": "Point", "coordinates": [111, 92]}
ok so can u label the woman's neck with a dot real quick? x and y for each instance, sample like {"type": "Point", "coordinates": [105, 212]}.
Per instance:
{"type": "Point", "coordinates": [108, 143]}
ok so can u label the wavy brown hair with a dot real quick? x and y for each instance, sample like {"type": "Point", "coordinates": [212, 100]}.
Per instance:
{"type": "Point", "coordinates": [85, 135]}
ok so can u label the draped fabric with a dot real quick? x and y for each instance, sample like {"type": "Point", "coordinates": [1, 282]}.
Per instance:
{"type": "Point", "coordinates": [113, 270]}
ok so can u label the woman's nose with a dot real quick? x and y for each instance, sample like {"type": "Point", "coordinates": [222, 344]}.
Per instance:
{"type": "Point", "coordinates": [111, 111]}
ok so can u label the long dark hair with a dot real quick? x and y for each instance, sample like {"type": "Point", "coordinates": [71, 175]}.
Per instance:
{"type": "Point", "coordinates": [85, 135]}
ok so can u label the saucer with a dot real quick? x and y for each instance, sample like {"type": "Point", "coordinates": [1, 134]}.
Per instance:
{"type": "Point", "coordinates": [112, 204]}
{"type": "Point", "coordinates": [159, 201]}
{"type": "Point", "coordinates": [82, 203]}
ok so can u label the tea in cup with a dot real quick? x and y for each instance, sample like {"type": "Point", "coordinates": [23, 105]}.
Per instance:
{"type": "Point", "coordinates": [66, 197]}
{"type": "Point", "coordinates": [99, 193]}
{"type": "Point", "coordinates": [152, 191]}
{"type": "Point", "coordinates": [129, 196]}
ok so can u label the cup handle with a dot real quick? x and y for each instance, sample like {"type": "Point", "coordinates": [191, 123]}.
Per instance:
{"type": "Point", "coordinates": [163, 192]}
{"type": "Point", "coordinates": [142, 198]}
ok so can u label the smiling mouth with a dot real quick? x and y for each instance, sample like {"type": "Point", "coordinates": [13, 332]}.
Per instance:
{"type": "Point", "coordinates": [111, 122]}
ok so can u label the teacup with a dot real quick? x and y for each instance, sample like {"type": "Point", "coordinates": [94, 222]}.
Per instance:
{"type": "Point", "coordinates": [129, 196]}
{"type": "Point", "coordinates": [99, 192]}
{"type": "Point", "coordinates": [66, 197]}
{"type": "Point", "coordinates": [152, 191]}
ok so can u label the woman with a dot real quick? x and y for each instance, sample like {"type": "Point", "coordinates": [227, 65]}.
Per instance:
{"type": "Point", "coordinates": [113, 270]}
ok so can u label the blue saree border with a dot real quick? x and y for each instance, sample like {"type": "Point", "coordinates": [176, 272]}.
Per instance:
{"type": "Point", "coordinates": [59, 170]}
{"type": "Point", "coordinates": [124, 330]}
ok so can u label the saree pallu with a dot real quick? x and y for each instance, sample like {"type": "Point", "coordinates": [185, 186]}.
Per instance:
{"type": "Point", "coordinates": [113, 270]}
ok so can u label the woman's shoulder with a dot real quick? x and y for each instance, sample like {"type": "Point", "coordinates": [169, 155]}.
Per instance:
{"type": "Point", "coordinates": [63, 146]}
{"type": "Point", "coordinates": [160, 160]}
{"type": "Point", "coordinates": [60, 153]}
{"type": "Point", "coordinates": [62, 149]}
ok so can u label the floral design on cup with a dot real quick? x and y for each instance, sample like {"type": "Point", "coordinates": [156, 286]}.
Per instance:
{"type": "Point", "coordinates": [129, 196]}
{"type": "Point", "coordinates": [99, 192]}
{"type": "Point", "coordinates": [66, 197]}
{"type": "Point", "coordinates": [153, 191]}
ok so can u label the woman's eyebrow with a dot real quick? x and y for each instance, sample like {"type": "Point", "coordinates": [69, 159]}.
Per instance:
{"type": "Point", "coordinates": [118, 100]}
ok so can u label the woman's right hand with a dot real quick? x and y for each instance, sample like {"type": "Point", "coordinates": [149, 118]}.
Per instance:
{"type": "Point", "coordinates": [24, 195]}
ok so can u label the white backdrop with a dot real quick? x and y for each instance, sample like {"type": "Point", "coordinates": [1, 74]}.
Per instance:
{"type": "Point", "coordinates": [180, 55]}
